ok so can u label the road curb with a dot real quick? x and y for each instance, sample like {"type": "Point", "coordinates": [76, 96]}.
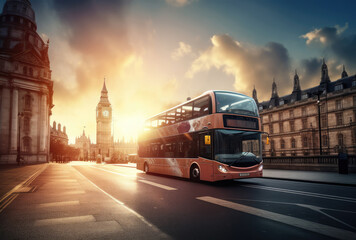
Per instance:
{"type": "Point", "coordinates": [313, 181]}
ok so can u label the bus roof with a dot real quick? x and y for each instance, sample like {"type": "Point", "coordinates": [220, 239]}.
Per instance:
{"type": "Point", "coordinates": [209, 92]}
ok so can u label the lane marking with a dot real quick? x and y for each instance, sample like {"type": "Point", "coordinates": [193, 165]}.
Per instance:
{"type": "Point", "coordinates": [153, 227]}
{"type": "Point", "coordinates": [120, 174]}
{"type": "Point", "coordinates": [288, 220]}
{"type": "Point", "coordinates": [158, 185]}
{"type": "Point", "coordinates": [7, 198]}
{"type": "Point", "coordinates": [65, 220]}
{"type": "Point", "coordinates": [309, 194]}
{"type": "Point", "coordinates": [58, 204]}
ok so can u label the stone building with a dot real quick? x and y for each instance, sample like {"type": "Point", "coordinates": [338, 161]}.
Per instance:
{"type": "Point", "coordinates": [59, 135]}
{"type": "Point", "coordinates": [292, 121]}
{"type": "Point", "coordinates": [83, 143]}
{"type": "Point", "coordinates": [26, 88]}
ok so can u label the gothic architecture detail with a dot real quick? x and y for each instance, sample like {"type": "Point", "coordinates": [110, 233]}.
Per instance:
{"type": "Point", "coordinates": [104, 140]}
{"type": "Point", "coordinates": [26, 88]}
{"type": "Point", "coordinates": [344, 73]}
{"type": "Point", "coordinates": [293, 121]}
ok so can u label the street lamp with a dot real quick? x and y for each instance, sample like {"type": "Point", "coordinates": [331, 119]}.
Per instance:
{"type": "Point", "coordinates": [18, 158]}
{"type": "Point", "coordinates": [318, 103]}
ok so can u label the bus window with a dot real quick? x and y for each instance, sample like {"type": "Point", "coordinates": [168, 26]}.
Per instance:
{"type": "Point", "coordinates": [154, 123]}
{"type": "Point", "coordinates": [187, 111]}
{"type": "Point", "coordinates": [161, 120]}
{"type": "Point", "coordinates": [205, 147]}
{"type": "Point", "coordinates": [202, 107]}
{"type": "Point", "coordinates": [178, 114]}
{"type": "Point", "coordinates": [171, 117]}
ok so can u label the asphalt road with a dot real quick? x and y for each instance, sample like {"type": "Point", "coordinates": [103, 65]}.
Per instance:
{"type": "Point", "coordinates": [114, 202]}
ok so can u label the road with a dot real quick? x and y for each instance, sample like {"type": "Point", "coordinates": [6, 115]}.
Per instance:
{"type": "Point", "coordinates": [90, 201]}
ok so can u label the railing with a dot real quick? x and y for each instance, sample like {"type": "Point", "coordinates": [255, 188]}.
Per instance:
{"type": "Point", "coordinates": [320, 163]}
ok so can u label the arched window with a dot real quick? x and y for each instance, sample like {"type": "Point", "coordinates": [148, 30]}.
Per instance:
{"type": "Point", "coordinates": [25, 70]}
{"type": "Point", "coordinates": [292, 143]}
{"type": "Point", "coordinates": [283, 144]}
{"type": "Point", "coordinates": [340, 139]}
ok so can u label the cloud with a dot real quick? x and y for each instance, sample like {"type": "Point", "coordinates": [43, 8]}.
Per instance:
{"type": "Point", "coordinates": [179, 3]}
{"type": "Point", "coordinates": [250, 65]}
{"type": "Point", "coordinates": [332, 40]}
{"type": "Point", "coordinates": [184, 49]}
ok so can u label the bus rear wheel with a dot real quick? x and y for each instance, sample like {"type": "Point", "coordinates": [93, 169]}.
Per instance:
{"type": "Point", "coordinates": [194, 172]}
{"type": "Point", "coordinates": [145, 168]}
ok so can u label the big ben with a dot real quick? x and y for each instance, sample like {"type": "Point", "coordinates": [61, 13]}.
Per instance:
{"type": "Point", "coordinates": [103, 124]}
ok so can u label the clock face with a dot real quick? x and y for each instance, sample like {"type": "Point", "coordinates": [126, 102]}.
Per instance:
{"type": "Point", "coordinates": [106, 113]}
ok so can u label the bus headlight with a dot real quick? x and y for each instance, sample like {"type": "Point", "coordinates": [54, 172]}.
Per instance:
{"type": "Point", "coordinates": [222, 169]}
{"type": "Point", "coordinates": [260, 168]}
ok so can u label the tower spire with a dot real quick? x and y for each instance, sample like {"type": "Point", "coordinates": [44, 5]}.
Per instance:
{"type": "Point", "coordinates": [324, 73]}
{"type": "Point", "coordinates": [296, 83]}
{"type": "Point", "coordinates": [254, 94]}
{"type": "Point", "coordinates": [344, 73]}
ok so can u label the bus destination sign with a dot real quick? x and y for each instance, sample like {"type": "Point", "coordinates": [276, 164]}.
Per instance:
{"type": "Point", "coordinates": [240, 122]}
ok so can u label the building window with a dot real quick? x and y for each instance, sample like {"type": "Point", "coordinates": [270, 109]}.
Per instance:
{"type": "Point", "coordinates": [280, 116]}
{"type": "Point", "coordinates": [281, 127]}
{"type": "Point", "coordinates": [27, 144]}
{"type": "Point", "coordinates": [291, 124]}
{"type": "Point", "coordinates": [291, 114]}
{"type": "Point", "coordinates": [272, 145]}
{"type": "Point", "coordinates": [271, 128]}
{"type": "Point", "coordinates": [28, 102]}
{"type": "Point", "coordinates": [340, 139]}
{"type": "Point", "coordinates": [304, 123]}
{"type": "Point", "coordinates": [324, 140]}
{"type": "Point", "coordinates": [338, 104]}
{"type": "Point", "coordinates": [339, 119]}
{"type": "Point", "coordinates": [304, 111]}
{"type": "Point", "coordinates": [323, 121]}
{"type": "Point", "coordinates": [338, 87]}
{"type": "Point", "coordinates": [292, 143]}
{"type": "Point", "coordinates": [323, 108]}
{"type": "Point", "coordinates": [354, 101]}
{"type": "Point", "coordinates": [305, 142]}
{"type": "Point", "coordinates": [283, 144]}
{"type": "Point", "coordinates": [354, 83]}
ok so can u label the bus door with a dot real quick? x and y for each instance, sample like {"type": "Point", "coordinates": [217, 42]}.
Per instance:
{"type": "Point", "coordinates": [206, 144]}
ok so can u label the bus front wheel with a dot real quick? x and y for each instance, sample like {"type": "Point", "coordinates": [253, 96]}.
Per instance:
{"type": "Point", "coordinates": [194, 172]}
{"type": "Point", "coordinates": [145, 168]}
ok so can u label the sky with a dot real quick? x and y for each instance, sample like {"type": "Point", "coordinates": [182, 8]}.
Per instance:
{"type": "Point", "coordinates": [156, 53]}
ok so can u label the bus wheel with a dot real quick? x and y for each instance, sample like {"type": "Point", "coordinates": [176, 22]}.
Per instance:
{"type": "Point", "coordinates": [194, 172]}
{"type": "Point", "coordinates": [145, 168]}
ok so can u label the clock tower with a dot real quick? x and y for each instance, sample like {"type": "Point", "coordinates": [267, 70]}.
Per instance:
{"type": "Point", "coordinates": [104, 141]}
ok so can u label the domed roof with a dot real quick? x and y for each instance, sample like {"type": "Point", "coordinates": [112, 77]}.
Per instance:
{"type": "Point", "coordinates": [20, 8]}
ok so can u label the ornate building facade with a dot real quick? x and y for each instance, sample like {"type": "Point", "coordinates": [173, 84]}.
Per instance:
{"type": "Point", "coordinates": [26, 88]}
{"type": "Point", "coordinates": [104, 139]}
{"type": "Point", "coordinates": [318, 120]}
{"type": "Point", "coordinates": [83, 143]}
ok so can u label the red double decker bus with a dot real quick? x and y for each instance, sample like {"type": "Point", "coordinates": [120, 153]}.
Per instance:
{"type": "Point", "coordinates": [216, 136]}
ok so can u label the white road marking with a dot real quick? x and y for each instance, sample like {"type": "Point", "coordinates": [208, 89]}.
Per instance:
{"type": "Point", "coordinates": [319, 210]}
{"type": "Point", "coordinates": [120, 174]}
{"type": "Point", "coordinates": [65, 220]}
{"type": "Point", "coordinates": [58, 204]}
{"type": "Point", "coordinates": [153, 227]}
{"type": "Point", "coordinates": [309, 194]}
{"type": "Point", "coordinates": [158, 185]}
{"type": "Point", "coordinates": [293, 221]}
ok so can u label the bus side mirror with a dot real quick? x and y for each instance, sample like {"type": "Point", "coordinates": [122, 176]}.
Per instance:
{"type": "Point", "coordinates": [267, 142]}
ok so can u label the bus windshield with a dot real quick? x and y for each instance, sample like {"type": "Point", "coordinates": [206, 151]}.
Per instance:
{"type": "Point", "coordinates": [227, 102]}
{"type": "Point", "coordinates": [237, 148]}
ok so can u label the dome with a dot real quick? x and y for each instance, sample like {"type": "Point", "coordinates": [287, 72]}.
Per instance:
{"type": "Point", "coordinates": [21, 8]}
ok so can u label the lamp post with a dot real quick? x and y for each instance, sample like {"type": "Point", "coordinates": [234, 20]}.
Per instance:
{"type": "Point", "coordinates": [318, 103]}
{"type": "Point", "coordinates": [18, 158]}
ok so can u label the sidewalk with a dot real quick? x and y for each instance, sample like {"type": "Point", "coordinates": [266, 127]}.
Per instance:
{"type": "Point", "coordinates": [312, 176]}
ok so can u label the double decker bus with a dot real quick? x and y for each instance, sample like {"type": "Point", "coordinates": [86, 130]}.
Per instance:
{"type": "Point", "coordinates": [216, 136]}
